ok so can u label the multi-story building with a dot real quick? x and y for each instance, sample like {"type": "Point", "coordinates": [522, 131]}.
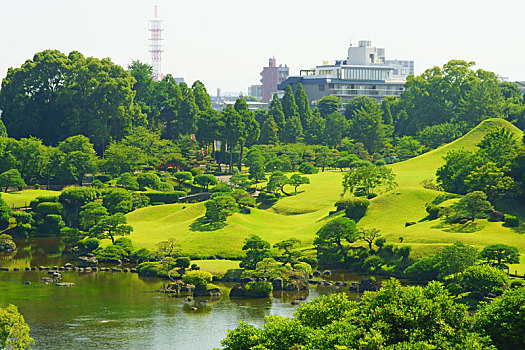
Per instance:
{"type": "Point", "coordinates": [365, 72]}
{"type": "Point", "coordinates": [272, 76]}
{"type": "Point", "coordinates": [255, 91]}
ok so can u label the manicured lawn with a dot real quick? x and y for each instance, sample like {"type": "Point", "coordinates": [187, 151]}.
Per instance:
{"type": "Point", "coordinates": [23, 198]}
{"type": "Point", "coordinates": [216, 266]}
{"type": "Point", "coordinates": [302, 214]}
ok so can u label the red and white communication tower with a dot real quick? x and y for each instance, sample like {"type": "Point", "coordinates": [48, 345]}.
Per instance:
{"type": "Point", "coordinates": [155, 47]}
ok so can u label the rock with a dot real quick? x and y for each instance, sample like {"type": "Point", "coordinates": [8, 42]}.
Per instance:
{"type": "Point", "coordinates": [278, 283]}
{"type": "Point", "coordinates": [88, 269]}
{"type": "Point", "coordinates": [65, 284]}
{"type": "Point", "coordinates": [61, 268]}
{"type": "Point", "coordinates": [87, 261]}
{"type": "Point", "coordinates": [237, 291]}
{"type": "Point", "coordinates": [338, 283]}
{"type": "Point", "coordinates": [68, 265]}
{"type": "Point", "coordinates": [497, 216]}
{"type": "Point", "coordinates": [295, 302]}
{"type": "Point", "coordinates": [4, 268]}
{"type": "Point", "coordinates": [46, 279]}
{"type": "Point", "coordinates": [317, 273]}
{"type": "Point", "coordinates": [94, 268]}
{"type": "Point", "coordinates": [332, 212]}
{"type": "Point", "coordinates": [463, 221]}
{"type": "Point", "coordinates": [246, 210]}
{"type": "Point", "coordinates": [247, 280]}
{"type": "Point", "coordinates": [193, 308]}
{"type": "Point", "coordinates": [50, 272]}
{"type": "Point", "coordinates": [80, 269]}
{"type": "Point", "coordinates": [55, 268]}
{"type": "Point", "coordinates": [327, 273]}
{"type": "Point", "coordinates": [114, 269]}
{"type": "Point", "coordinates": [16, 269]}
{"type": "Point", "coordinates": [33, 269]}
{"type": "Point", "coordinates": [409, 223]}
{"type": "Point", "coordinates": [28, 269]}
{"type": "Point", "coordinates": [188, 299]}
{"type": "Point", "coordinates": [125, 270]}
{"type": "Point", "coordinates": [187, 288]}
{"type": "Point", "coordinates": [366, 284]}
{"type": "Point", "coordinates": [27, 283]}
{"type": "Point", "coordinates": [57, 275]}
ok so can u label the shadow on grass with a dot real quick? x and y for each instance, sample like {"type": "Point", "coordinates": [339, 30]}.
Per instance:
{"type": "Point", "coordinates": [333, 216]}
{"type": "Point", "coordinates": [201, 224]}
{"type": "Point", "coordinates": [469, 227]}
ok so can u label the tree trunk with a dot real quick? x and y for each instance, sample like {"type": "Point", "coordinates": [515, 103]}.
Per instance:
{"type": "Point", "coordinates": [231, 159]}
{"type": "Point", "coordinates": [239, 166]}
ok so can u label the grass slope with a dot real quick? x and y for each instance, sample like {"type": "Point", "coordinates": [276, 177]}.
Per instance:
{"type": "Point", "coordinates": [23, 198]}
{"type": "Point", "coordinates": [302, 214]}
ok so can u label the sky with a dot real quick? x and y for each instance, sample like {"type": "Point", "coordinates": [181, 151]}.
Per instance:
{"type": "Point", "coordinates": [226, 43]}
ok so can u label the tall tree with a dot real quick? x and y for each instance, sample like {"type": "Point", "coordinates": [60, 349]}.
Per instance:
{"type": "Point", "coordinates": [366, 126]}
{"type": "Point", "coordinates": [314, 133]}
{"type": "Point", "coordinates": [202, 99]}
{"type": "Point", "coordinates": [293, 130]}
{"type": "Point", "coordinates": [303, 106]}
{"type": "Point", "coordinates": [328, 105]}
{"type": "Point", "coordinates": [290, 108]}
{"type": "Point", "coordinates": [233, 129]}
{"type": "Point", "coordinates": [80, 156]}
{"type": "Point", "coordinates": [275, 110]}
{"type": "Point", "coordinates": [269, 131]}
{"type": "Point", "coordinates": [188, 112]}
{"type": "Point", "coordinates": [249, 131]}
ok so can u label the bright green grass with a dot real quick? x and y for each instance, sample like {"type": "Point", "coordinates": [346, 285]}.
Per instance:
{"type": "Point", "coordinates": [23, 198]}
{"type": "Point", "coordinates": [216, 266]}
{"type": "Point", "coordinates": [302, 214]}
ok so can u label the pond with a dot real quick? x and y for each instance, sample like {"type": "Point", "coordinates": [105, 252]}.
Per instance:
{"type": "Point", "coordinates": [107, 310]}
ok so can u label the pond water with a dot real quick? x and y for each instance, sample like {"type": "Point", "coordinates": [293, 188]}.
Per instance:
{"type": "Point", "coordinates": [106, 310]}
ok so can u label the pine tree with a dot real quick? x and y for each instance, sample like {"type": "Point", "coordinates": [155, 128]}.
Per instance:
{"type": "Point", "coordinates": [315, 129]}
{"type": "Point", "coordinates": [275, 110]}
{"type": "Point", "coordinates": [269, 131]}
{"type": "Point", "coordinates": [202, 99]}
{"type": "Point", "coordinates": [289, 106]}
{"type": "Point", "coordinates": [303, 107]}
{"type": "Point", "coordinates": [293, 130]}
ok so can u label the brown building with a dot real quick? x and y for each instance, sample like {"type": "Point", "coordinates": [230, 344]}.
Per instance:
{"type": "Point", "coordinates": [271, 77]}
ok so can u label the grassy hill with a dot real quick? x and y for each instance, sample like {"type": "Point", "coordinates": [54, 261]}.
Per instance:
{"type": "Point", "coordinates": [303, 214]}
{"type": "Point", "coordinates": [23, 198]}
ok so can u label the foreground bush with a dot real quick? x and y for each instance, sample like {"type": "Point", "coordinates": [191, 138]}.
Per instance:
{"type": "Point", "coordinates": [395, 317]}
{"type": "Point", "coordinates": [356, 208]}
{"type": "Point", "coordinates": [259, 289]}
{"type": "Point", "coordinates": [197, 278]}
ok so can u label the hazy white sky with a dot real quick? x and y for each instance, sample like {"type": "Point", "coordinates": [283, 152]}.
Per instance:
{"type": "Point", "coordinates": [226, 43]}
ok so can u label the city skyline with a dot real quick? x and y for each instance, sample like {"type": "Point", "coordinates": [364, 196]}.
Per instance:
{"type": "Point", "coordinates": [225, 46]}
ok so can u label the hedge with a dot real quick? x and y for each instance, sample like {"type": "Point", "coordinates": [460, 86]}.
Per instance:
{"type": "Point", "coordinates": [165, 197]}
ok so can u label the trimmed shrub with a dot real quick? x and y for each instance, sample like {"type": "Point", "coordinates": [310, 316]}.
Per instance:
{"type": "Point", "coordinates": [50, 225]}
{"type": "Point", "coordinates": [7, 244]}
{"type": "Point", "coordinates": [150, 180]}
{"type": "Point", "coordinates": [140, 255]}
{"type": "Point", "coordinates": [111, 253]}
{"type": "Point", "coordinates": [47, 208]}
{"type": "Point", "coordinates": [165, 187]}
{"type": "Point", "coordinates": [303, 267]}
{"type": "Point", "coordinates": [342, 203]}
{"type": "Point", "coordinates": [43, 199]}
{"type": "Point", "coordinates": [125, 243]}
{"type": "Point", "coordinates": [221, 187]}
{"type": "Point", "coordinates": [152, 269]}
{"type": "Point", "coordinates": [517, 284]}
{"type": "Point", "coordinates": [308, 168]}
{"type": "Point", "coordinates": [196, 171]}
{"type": "Point", "coordinates": [267, 198]}
{"type": "Point", "coordinates": [484, 279]}
{"type": "Point", "coordinates": [433, 211]}
{"type": "Point", "coordinates": [183, 262]}
{"type": "Point", "coordinates": [511, 221]}
{"type": "Point", "coordinates": [197, 278]}
{"type": "Point", "coordinates": [164, 197]}
{"type": "Point", "coordinates": [454, 289]}
{"type": "Point", "coordinates": [70, 235]}
{"type": "Point", "coordinates": [88, 245]}
{"type": "Point", "coordinates": [98, 184]}
{"type": "Point", "coordinates": [259, 289]}
{"type": "Point", "coordinates": [356, 208]}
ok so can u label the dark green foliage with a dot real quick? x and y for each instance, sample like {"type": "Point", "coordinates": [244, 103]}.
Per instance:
{"type": "Point", "coordinates": [307, 168]}
{"type": "Point", "coordinates": [511, 221]}
{"type": "Point", "coordinates": [49, 225]}
{"type": "Point", "coordinates": [267, 198]}
{"type": "Point", "coordinates": [47, 208]}
{"type": "Point", "coordinates": [356, 208]}
{"type": "Point", "coordinates": [165, 197]}
{"type": "Point", "coordinates": [88, 245]}
{"type": "Point", "coordinates": [328, 105]}
{"type": "Point", "coordinates": [103, 177]}
{"type": "Point", "coordinates": [70, 235]}
{"type": "Point", "coordinates": [7, 244]}
{"type": "Point", "coordinates": [269, 131]}
{"type": "Point", "coordinates": [5, 214]}
{"type": "Point", "coordinates": [500, 255]}
{"type": "Point", "coordinates": [454, 289]}
{"type": "Point", "coordinates": [205, 180]}
{"type": "Point", "coordinates": [125, 243]}
{"type": "Point", "coordinates": [11, 178]}
{"type": "Point", "coordinates": [368, 177]}
{"type": "Point", "coordinates": [256, 250]}
{"type": "Point", "coordinates": [183, 262]}
{"type": "Point", "coordinates": [111, 226]}
{"type": "Point", "coordinates": [473, 206]}
{"type": "Point", "coordinates": [381, 320]}
{"type": "Point", "coordinates": [454, 259]}
{"type": "Point", "coordinates": [117, 200]}
{"type": "Point", "coordinates": [434, 136]}
{"type": "Point", "coordinates": [221, 187]}
{"type": "Point", "coordinates": [484, 279]}
{"type": "Point", "coordinates": [502, 320]}
{"type": "Point", "coordinates": [297, 180]}
{"type": "Point", "coordinates": [433, 211]}
{"type": "Point", "coordinates": [259, 289]}
{"type": "Point", "coordinates": [73, 198]}
{"type": "Point", "coordinates": [218, 208]}
{"type": "Point", "coordinates": [140, 255]}
{"type": "Point", "coordinates": [329, 240]}
{"type": "Point", "coordinates": [150, 180]}
{"type": "Point", "coordinates": [128, 182]}
{"type": "Point", "coordinates": [112, 252]}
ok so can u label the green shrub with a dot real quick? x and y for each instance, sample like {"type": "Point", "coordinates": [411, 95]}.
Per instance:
{"type": "Point", "coordinates": [70, 235]}
{"type": "Point", "coordinates": [267, 198]}
{"type": "Point", "coordinates": [308, 168]}
{"type": "Point", "coordinates": [165, 187]}
{"type": "Point", "coordinates": [197, 278]}
{"type": "Point", "coordinates": [153, 269]}
{"type": "Point", "coordinates": [125, 243]}
{"type": "Point", "coordinates": [128, 182]}
{"type": "Point", "coordinates": [359, 163]}
{"type": "Point", "coordinates": [47, 208]}
{"type": "Point", "coordinates": [342, 203]}
{"type": "Point", "coordinates": [88, 245]}
{"type": "Point", "coordinates": [150, 180]}
{"type": "Point", "coordinates": [111, 253]}
{"type": "Point", "coordinates": [7, 244]}
{"type": "Point", "coordinates": [433, 211]}
{"type": "Point", "coordinates": [484, 279]}
{"type": "Point", "coordinates": [380, 162]}
{"type": "Point", "coordinates": [356, 208]}
{"type": "Point", "coordinates": [422, 270]}
{"type": "Point", "coordinates": [98, 184]}
{"type": "Point", "coordinates": [303, 267]}
{"type": "Point", "coordinates": [183, 262]}
{"type": "Point", "coordinates": [195, 267]}
{"type": "Point", "coordinates": [258, 289]}
{"type": "Point", "coordinates": [196, 171]}
{"type": "Point", "coordinates": [50, 225]}
{"type": "Point", "coordinates": [511, 221]}
{"type": "Point", "coordinates": [140, 255]}
{"type": "Point", "coordinates": [221, 187]}
{"type": "Point", "coordinates": [164, 197]}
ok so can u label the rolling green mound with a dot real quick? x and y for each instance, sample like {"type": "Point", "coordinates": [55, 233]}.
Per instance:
{"type": "Point", "coordinates": [302, 214]}
{"type": "Point", "coordinates": [23, 198]}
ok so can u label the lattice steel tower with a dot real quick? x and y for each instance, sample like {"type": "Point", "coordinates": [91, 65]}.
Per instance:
{"type": "Point", "coordinates": [155, 47]}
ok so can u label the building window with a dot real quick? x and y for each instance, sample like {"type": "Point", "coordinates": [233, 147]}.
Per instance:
{"type": "Point", "coordinates": [330, 86]}
{"type": "Point", "coordinates": [321, 87]}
